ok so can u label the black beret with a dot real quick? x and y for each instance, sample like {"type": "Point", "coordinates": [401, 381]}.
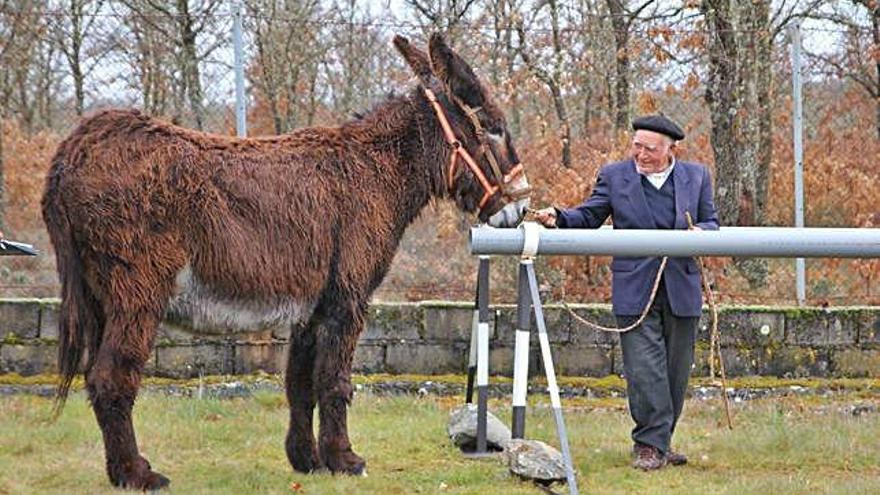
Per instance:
{"type": "Point", "coordinates": [659, 123]}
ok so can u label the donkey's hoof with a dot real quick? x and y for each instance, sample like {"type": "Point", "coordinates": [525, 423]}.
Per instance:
{"type": "Point", "coordinates": [346, 462]}
{"type": "Point", "coordinates": [305, 462]}
{"type": "Point", "coordinates": [155, 481]}
{"type": "Point", "coordinates": [148, 482]}
{"type": "Point", "coordinates": [138, 476]}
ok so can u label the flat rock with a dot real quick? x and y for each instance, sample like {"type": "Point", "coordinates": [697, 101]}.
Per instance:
{"type": "Point", "coordinates": [462, 429]}
{"type": "Point", "coordinates": [535, 460]}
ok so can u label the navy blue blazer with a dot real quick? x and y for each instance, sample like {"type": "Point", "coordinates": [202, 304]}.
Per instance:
{"type": "Point", "coordinates": [618, 192]}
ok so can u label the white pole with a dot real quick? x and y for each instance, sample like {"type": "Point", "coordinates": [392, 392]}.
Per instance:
{"type": "Point", "coordinates": [482, 355]}
{"type": "Point", "coordinates": [550, 372]}
{"type": "Point", "coordinates": [472, 358]}
{"type": "Point", "coordinates": [798, 129]}
{"type": "Point", "coordinates": [521, 352]}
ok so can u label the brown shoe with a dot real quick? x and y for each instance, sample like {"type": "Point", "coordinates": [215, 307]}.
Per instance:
{"type": "Point", "coordinates": [648, 458]}
{"type": "Point", "coordinates": [676, 458]}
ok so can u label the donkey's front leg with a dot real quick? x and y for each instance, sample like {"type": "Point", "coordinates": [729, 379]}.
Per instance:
{"type": "Point", "coordinates": [336, 342]}
{"type": "Point", "coordinates": [112, 384]}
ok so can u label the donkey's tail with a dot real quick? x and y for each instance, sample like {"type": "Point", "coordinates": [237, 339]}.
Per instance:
{"type": "Point", "coordinates": [79, 318]}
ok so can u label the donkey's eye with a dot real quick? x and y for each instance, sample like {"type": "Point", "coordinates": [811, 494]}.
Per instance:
{"type": "Point", "coordinates": [496, 132]}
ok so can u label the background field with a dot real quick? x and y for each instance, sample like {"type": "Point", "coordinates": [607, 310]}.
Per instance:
{"type": "Point", "coordinates": [810, 444]}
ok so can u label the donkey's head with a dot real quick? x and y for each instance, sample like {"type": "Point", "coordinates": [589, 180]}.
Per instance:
{"type": "Point", "coordinates": [484, 173]}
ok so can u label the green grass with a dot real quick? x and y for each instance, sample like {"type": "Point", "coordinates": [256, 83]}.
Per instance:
{"type": "Point", "coordinates": [778, 446]}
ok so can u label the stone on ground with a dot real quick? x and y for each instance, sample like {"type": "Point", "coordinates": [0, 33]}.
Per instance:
{"type": "Point", "coordinates": [535, 460]}
{"type": "Point", "coordinates": [462, 429]}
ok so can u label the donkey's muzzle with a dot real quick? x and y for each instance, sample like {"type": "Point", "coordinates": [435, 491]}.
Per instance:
{"type": "Point", "coordinates": [511, 215]}
{"type": "Point", "coordinates": [515, 192]}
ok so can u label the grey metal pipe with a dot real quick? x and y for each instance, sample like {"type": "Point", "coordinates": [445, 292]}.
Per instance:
{"type": "Point", "coordinates": [779, 242]}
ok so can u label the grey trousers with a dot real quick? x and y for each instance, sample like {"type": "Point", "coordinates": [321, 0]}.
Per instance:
{"type": "Point", "coordinates": [657, 360]}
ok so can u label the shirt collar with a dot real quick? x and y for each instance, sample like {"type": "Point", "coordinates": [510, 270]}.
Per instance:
{"type": "Point", "coordinates": [658, 179]}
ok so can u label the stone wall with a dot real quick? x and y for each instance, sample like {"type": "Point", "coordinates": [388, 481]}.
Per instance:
{"type": "Point", "coordinates": [433, 337]}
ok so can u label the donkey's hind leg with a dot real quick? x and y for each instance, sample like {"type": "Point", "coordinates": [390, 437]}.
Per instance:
{"type": "Point", "coordinates": [112, 384]}
{"type": "Point", "coordinates": [300, 441]}
{"type": "Point", "coordinates": [335, 345]}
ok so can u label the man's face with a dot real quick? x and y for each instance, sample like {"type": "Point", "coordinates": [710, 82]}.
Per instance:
{"type": "Point", "coordinates": [651, 151]}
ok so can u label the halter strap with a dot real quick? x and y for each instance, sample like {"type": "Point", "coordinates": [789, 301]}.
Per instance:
{"type": "Point", "coordinates": [459, 150]}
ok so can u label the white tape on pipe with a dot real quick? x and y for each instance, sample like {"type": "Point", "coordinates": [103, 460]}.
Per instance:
{"type": "Point", "coordinates": [532, 234]}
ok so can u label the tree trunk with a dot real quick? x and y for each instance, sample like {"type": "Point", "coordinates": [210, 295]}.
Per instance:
{"type": "Point", "coordinates": [2, 175]}
{"type": "Point", "coordinates": [73, 52]}
{"type": "Point", "coordinates": [190, 63]}
{"type": "Point", "coordinates": [266, 78]}
{"type": "Point", "coordinates": [558, 100]}
{"type": "Point", "coordinates": [764, 77]}
{"type": "Point", "coordinates": [589, 113]}
{"type": "Point", "coordinates": [875, 24]}
{"type": "Point", "coordinates": [79, 93]}
{"type": "Point", "coordinates": [510, 59]}
{"type": "Point", "coordinates": [621, 27]}
{"type": "Point", "coordinates": [312, 108]}
{"type": "Point", "coordinates": [738, 94]}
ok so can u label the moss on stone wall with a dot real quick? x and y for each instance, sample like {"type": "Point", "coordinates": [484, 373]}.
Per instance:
{"type": "Point", "coordinates": [434, 336]}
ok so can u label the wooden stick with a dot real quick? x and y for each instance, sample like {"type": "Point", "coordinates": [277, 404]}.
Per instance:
{"type": "Point", "coordinates": [715, 342]}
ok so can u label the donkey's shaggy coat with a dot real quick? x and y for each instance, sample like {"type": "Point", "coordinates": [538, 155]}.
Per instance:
{"type": "Point", "coordinates": [147, 217]}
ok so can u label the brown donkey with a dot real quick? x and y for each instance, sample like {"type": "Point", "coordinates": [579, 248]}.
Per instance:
{"type": "Point", "coordinates": [148, 218]}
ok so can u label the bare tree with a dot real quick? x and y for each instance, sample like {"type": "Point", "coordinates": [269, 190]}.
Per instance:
{"type": "Point", "coordinates": [46, 80]}
{"type": "Point", "coordinates": [23, 60]}
{"type": "Point", "coordinates": [591, 61]}
{"type": "Point", "coordinates": [622, 19]}
{"type": "Point", "coordinates": [552, 78]}
{"type": "Point", "coordinates": [358, 71]}
{"type": "Point", "coordinates": [182, 23]}
{"type": "Point", "coordinates": [10, 30]}
{"type": "Point", "coordinates": [28, 82]}
{"type": "Point", "coordinates": [444, 15]}
{"type": "Point", "coordinates": [150, 58]}
{"type": "Point", "coordinates": [859, 60]}
{"type": "Point", "coordinates": [502, 62]}
{"type": "Point", "coordinates": [288, 56]}
{"type": "Point", "coordinates": [72, 30]}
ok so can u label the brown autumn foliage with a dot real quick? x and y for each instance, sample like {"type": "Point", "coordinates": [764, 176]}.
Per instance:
{"type": "Point", "coordinates": [26, 159]}
{"type": "Point", "coordinates": [841, 149]}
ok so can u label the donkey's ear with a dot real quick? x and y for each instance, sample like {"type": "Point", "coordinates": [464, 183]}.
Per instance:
{"type": "Point", "coordinates": [454, 71]}
{"type": "Point", "coordinates": [417, 59]}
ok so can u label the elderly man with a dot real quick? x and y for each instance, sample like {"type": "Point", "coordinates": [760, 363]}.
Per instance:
{"type": "Point", "coordinates": [651, 190]}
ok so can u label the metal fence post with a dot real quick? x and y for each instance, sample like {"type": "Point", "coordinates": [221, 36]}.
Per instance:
{"type": "Point", "coordinates": [240, 106]}
{"type": "Point", "coordinates": [798, 129]}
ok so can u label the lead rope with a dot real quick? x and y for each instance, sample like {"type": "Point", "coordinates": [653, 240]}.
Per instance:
{"type": "Point", "coordinates": [714, 342]}
{"type": "Point", "coordinates": [641, 318]}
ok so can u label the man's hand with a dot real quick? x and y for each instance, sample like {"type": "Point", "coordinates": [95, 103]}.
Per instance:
{"type": "Point", "coordinates": [546, 217]}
